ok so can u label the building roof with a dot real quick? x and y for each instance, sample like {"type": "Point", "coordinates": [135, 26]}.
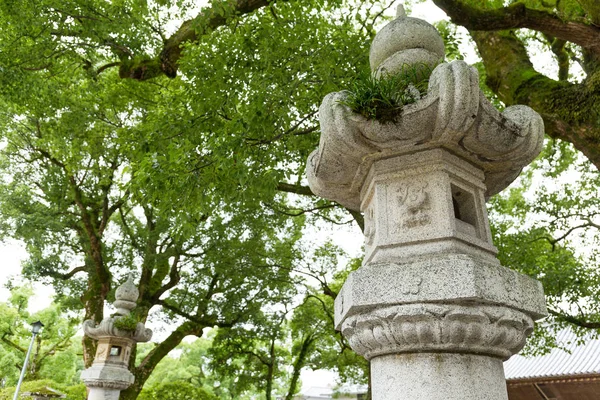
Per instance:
{"type": "Point", "coordinates": [318, 393]}
{"type": "Point", "coordinates": [578, 359]}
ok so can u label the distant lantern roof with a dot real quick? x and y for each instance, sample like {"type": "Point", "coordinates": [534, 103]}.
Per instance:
{"type": "Point", "coordinates": [572, 359]}
{"type": "Point", "coordinates": [45, 393]}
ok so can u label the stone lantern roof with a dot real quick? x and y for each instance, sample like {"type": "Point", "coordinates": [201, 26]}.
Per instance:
{"type": "Point", "coordinates": [45, 393]}
{"type": "Point", "coordinates": [454, 115]}
{"type": "Point", "coordinates": [126, 296]}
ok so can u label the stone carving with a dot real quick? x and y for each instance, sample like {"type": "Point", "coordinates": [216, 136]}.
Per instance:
{"type": "Point", "coordinates": [454, 115]}
{"type": "Point", "coordinates": [510, 285]}
{"type": "Point", "coordinates": [413, 200]}
{"type": "Point", "coordinates": [113, 383]}
{"type": "Point", "coordinates": [411, 285]}
{"type": "Point", "coordinates": [107, 328]}
{"type": "Point", "coordinates": [126, 296]}
{"type": "Point", "coordinates": [488, 330]}
{"type": "Point", "coordinates": [102, 352]}
{"type": "Point", "coordinates": [413, 42]}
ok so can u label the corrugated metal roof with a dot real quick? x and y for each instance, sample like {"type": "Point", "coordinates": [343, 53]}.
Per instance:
{"type": "Point", "coordinates": [578, 359]}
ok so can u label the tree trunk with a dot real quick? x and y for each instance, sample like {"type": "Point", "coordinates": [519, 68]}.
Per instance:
{"type": "Point", "coordinates": [300, 361]}
{"type": "Point", "coordinates": [270, 370]}
{"type": "Point", "coordinates": [369, 385]}
{"type": "Point", "coordinates": [142, 372]}
{"type": "Point", "coordinates": [570, 111]}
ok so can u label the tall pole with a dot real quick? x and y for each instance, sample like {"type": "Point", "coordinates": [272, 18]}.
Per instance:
{"type": "Point", "coordinates": [33, 334]}
{"type": "Point", "coordinates": [35, 329]}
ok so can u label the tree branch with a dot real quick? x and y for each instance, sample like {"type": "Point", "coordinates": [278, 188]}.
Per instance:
{"type": "Point", "coordinates": [297, 213]}
{"type": "Point", "coordinates": [174, 278]}
{"type": "Point", "coordinates": [519, 16]}
{"type": "Point", "coordinates": [307, 342]}
{"type": "Point", "coordinates": [358, 217]}
{"type": "Point", "coordinates": [592, 8]}
{"type": "Point", "coordinates": [12, 344]}
{"type": "Point", "coordinates": [205, 22]}
{"type": "Point", "coordinates": [297, 189]}
{"type": "Point", "coordinates": [574, 320]}
{"type": "Point", "coordinates": [570, 111]}
{"type": "Point", "coordinates": [67, 275]}
{"type": "Point", "coordinates": [94, 240]}
{"type": "Point", "coordinates": [204, 321]}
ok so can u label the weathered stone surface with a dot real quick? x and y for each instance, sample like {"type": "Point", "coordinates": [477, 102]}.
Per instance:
{"type": "Point", "coordinates": [97, 393]}
{"type": "Point", "coordinates": [424, 203]}
{"type": "Point", "coordinates": [405, 41]}
{"type": "Point", "coordinates": [453, 278]}
{"type": "Point", "coordinates": [126, 296]}
{"type": "Point", "coordinates": [439, 328]}
{"type": "Point", "coordinates": [107, 328]}
{"type": "Point", "coordinates": [439, 376]}
{"type": "Point", "coordinates": [107, 375]}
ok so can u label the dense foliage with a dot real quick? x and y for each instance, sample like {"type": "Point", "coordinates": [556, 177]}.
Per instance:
{"type": "Point", "coordinates": [175, 180]}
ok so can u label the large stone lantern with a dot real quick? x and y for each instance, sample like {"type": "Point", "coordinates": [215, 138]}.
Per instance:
{"type": "Point", "coordinates": [109, 373]}
{"type": "Point", "coordinates": [431, 307]}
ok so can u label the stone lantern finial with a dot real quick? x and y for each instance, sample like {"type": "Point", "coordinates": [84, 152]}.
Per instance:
{"type": "Point", "coordinates": [126, 296]}
{"type": "Point", "coordinates": [405, 43]}
{"type": "Point", "coordinates": [400, 11]}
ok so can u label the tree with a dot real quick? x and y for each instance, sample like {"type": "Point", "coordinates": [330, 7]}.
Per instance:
{"type": "Point", "coordinates": [272, 352]}
{"type": "Point", "coordinates": [72, 392]}
{"type": "Point", "coordinates": [264, 356]}
{"type": "Point", "coordinates": [316, 344]}
{"type": "Point", "coordinates": [180, 181]}
{"type": "Point", "coordinates": [189, 363]}
{"type": "Point", "coordinates": [176, 391]}
{"type": "Point", "coordinates": [53, 355]}
{"type": "Point", "coordinates": [569, 29]}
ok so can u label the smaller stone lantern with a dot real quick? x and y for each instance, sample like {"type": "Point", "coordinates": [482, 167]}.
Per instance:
{"type": "Point", "coordinates": [44, 393]}
{"type": "Point", "coordinates": [109, 373]}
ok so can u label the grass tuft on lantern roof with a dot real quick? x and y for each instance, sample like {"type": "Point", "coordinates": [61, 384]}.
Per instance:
{"type": "Point", "coordinates": [384, 98]}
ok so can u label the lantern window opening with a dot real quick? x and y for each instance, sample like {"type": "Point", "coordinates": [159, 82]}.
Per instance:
{"type": "Point", "coordinates": [465, 210]}
{"type": "Point", "coordinates": [115, 351]}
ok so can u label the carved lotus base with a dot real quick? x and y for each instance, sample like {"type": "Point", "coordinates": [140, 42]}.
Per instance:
{"type": "Point", "coordinates": [441, 328]}
{"type": "Point", "coordinates": [107, 376]}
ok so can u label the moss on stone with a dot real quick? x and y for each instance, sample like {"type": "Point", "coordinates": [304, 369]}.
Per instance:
{"type": "Point", "coordinates": [126, 323]}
